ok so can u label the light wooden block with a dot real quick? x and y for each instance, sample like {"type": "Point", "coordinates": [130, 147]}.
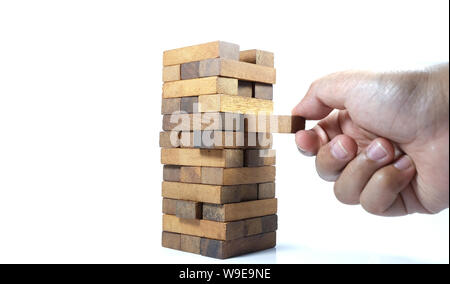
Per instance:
{"type": "Point", "coordinates": [171, 173]}
{"type": "Point", "coordinates": [273, 123]}
{"type": "Point", "coordinates": [225, 249]}
{"type": "Point", "coordinates": [215, 194]}
{"type": "Point", "coordinates": [237, 69]}
{"type": "Point", "coordinates": [203, 121]}
{"type": "Point", "coordinates": [169, 106]}
{"type": "Point", "coordinates": [239, 211]}
{"type": "Point", "coordinates": [263, 91]}
{"type": "Point", "coordinates": [169, 206]}
{"type": "Point", "coordinates": [191, 174]}
{"type": "Point", "coordinates": [235, 104]}
{"type": "Point", "coordinates": [188, 209]}
{"type": "Point", "coordinates": [245, 89]}
{"type": "Point", "coordinates": [200, 52]}
{"type": "Point", "coordinates": [266, 190]}
{"type": "Point", "coordinates": [171, 73]}
{"type": "Point", "coordinates": [226, 158]}
{"type": "Point", "coordinates": [225, 140]}
{"type": "Point", "coordinates": [200, 86]}
{"type": "Point", "coordinates": [235, 176]}
{"type": "Point", "coordinates": [169, 139]}
{"type": "Point", "coordinates": [256, 56]}
{"type": "Point", "coordinates": [259, 157]}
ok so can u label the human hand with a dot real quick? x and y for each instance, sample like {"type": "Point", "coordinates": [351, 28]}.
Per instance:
{"type": "Point", "coordinates": [387, 145]}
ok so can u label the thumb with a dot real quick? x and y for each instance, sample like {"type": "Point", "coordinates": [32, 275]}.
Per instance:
{"type": "Point", "coordinates": [331, 92]}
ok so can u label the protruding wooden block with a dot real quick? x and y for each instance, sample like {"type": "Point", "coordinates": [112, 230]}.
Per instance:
{"type": "Point", "coordinates": [169, 206]}
{"type": "Point", "coordinates": [191, 174]}
{"type": "Point", "coordinates": [239, 211]}
{"type": "Point", "coordinates": [190, 70]}
{"type": "Point", "coordinates": [171, 240]}
{"type": "Point", "coordinates": [190, 244]}
{"type": "Point", "coordinates": [259, 157]}
{"type": "Point", "coordinates": [266, 190]}
{"type": "Point", "coordinates": [235, 176]}
{"type": "Point", "coordinates": [225, 140]}
{"type": "Point", "coordinates": [200, 86]}
{"type": "Point", "coordinates": [237, 69]}
{"type": "Point", "coordinates": [226, 158]}
{"type": "Point", "coordinates": [273, 123]}
{"type": "Point", "coordinates": [188, 209]}
{"type": "Point", "coordinates": [171, 173]}
{"type": "Point", "coordinates": [263, 91]}
{"type": "Point", "coordinates": [171, 73]}
{"type": "Point", "coordinates": [200, 52]}
{"type": "Point", "coordinates": [189, 104]}
{"type": "Point", "coordinates": [245, 89]}
{"type": "Point", "coordinates": [169, 106]}
{"type": "Point", "coordinates": [169, 139]}
{"type": "Point", "coordinates": [235, 104]}
{"type": "Point", "coordinates": [202, 121]}
{"type": "Point", "coordinates": [256, 56]}
{"type": "Point", "coordinates": [225, 249]}
{"type": "Point", "coordinates": [216, 194]}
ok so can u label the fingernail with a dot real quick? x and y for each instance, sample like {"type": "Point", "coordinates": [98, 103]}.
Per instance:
{"type": "Point", "coordinates": [304, 152]}
{"type": "Point", "coordinates": [376, 151]}
{"type": "Point", "coordinates": [338, 151]}
{"type": "Point", "coordinates": [403, 163]}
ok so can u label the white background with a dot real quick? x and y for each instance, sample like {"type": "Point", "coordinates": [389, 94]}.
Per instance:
{"type": "Point", "coordinates": [80, 95]}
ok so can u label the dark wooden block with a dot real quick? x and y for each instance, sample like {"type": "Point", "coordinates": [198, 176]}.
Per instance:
{"type": "Point", "coordinates": [171, 240]}
{"type": "Point", "coordinates": [189, 104]}
{"type": "Point", "coordinates": [169, 206]}
{"type": "Point", "coordinates": [263, 91]}
{"type": "Point", "coordinates": [245, 89]}
{"type": "Point", "coordinates": [188, 209]}
{"type": "Point", "coordinates": [190, 70]}
{"type": "Point", "coordinates": [171, 173]}
{"type": "Point", "coordinates": [266, 190]}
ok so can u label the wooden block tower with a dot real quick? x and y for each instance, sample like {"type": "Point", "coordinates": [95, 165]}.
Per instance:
{"type": "Point", "coordinates": [219, 169]}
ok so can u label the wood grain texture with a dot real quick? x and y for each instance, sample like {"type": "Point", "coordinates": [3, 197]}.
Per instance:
{"type": "Point", "coordinates": [171, 73]}
{"type": "Point", "coordinates": [190, 243]}
{"type": "Point", "coordinates": [201, 51]}
{"type": "Point", "coordinates": [239, 211]}
{"type": "Point", "coordinates": [169, 139]}
{"type": "Point", "coordinates": [171, 240]}
{"type": "Point", "coordinates": [245, 89]}
{"type": "Point", "coordinates": [188, 209]}
{"type": "Point", "coordinates": [237, 69]}
{"type": "Point", "coordinates": [263, 91]}
{"type": "Point", "coordinates": [257, 56]}
{"type": "Point", "coordinates": [203, 121]}
{"type": "Point", "coordinates": [190, 70]}
{"type": "Point", "coordinates": [235, 104]}
{"type": "Point", "coordinates": [235, 176]}
{"type": "Point", "coordinates": [215, 194]}
{"type": "Point", "coordinates": [259, 157]}
{"type": "Point", "coordinates": [171, 173]}
{"type": "Point", "coordinates": [226, 158]}
{"type": "Point", "coordinates": [214, 139]}
{"type": "Point", "coordinates": [169, 206]}
{"type": "Point", "coordinates": [273, 123]}
{"type": "Point", "coordinates": [266, 190]}
{"type": "Point", "coordinates": [225, 249]}
{"type": "Point", "coordinates": [200, 86]}
{"type": "Point", "coordinates": [191, 174]}
{"type": "Point", "coordinates": [169, 106]}
{"type": "Point", "coordinates": [189, 104]}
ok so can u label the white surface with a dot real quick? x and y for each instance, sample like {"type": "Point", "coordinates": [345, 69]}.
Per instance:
{"type": "Point", "coordinates": [80, 89]}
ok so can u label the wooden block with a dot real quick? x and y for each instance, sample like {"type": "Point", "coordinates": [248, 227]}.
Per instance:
{"type": "Point", "coordinates": [245, 89]}
{"type": "Point", "coordinates": [169, 206]}
{"type": "Point", "coordinates": [260, 225]}
{"type": "Point", "coordinates": [256, 56]}
{"type": "Point", "coordinates": [188, 209]}
{"type": "Point", "coordinates": [190, 244]}
{"type": "Point", "coordinates": [171, 73]}
{"type": "Point", "coordinates": [169, 139]}
{"type": "Point", "coordinates": [235, 104]}
{"type": "Point", "coordinates": [266, 190]}
{"type": "Point", "coordinates": [171, 240]}
{"type": "Point", "coordinates": [237, 69]}
{"type": "Point", "coordinates": [203, 228]}
{"type": "Point", "coordinates": [190, 70]}
{"type": "Point", "coordinates": [189, 104]}
{"type": "Point", "coordinates": [239, 211]}
{"type": "Point", "coordinates": [171, 173]}
{"type": "Point", "coordinates": [263, 91]}
{"type": "Point", "coordinates": [200, 52]}
{"type": "Point", "coordinates": [259, 157]}
{"type": "Point", "coordinates": [201, 121]}
{"type": "Point", "coordinates": [191, 174]}
{"type": "Point", "coordinates": [170, 106]}
{"type": "Point", "coordinates": [273, 123]}
{"type": "Point", "coordinates": [225, 249]}
{"type": "Point", "coordinates": [227, 158]}
{"type": "Point", "coordinates": [214, 139]}
{"type": "Point", "coordinates": [235, 176]}
{"type": "Point", "coordinates": [216, 194]}
{"type": "Point", "coordinates": [200, 86]}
